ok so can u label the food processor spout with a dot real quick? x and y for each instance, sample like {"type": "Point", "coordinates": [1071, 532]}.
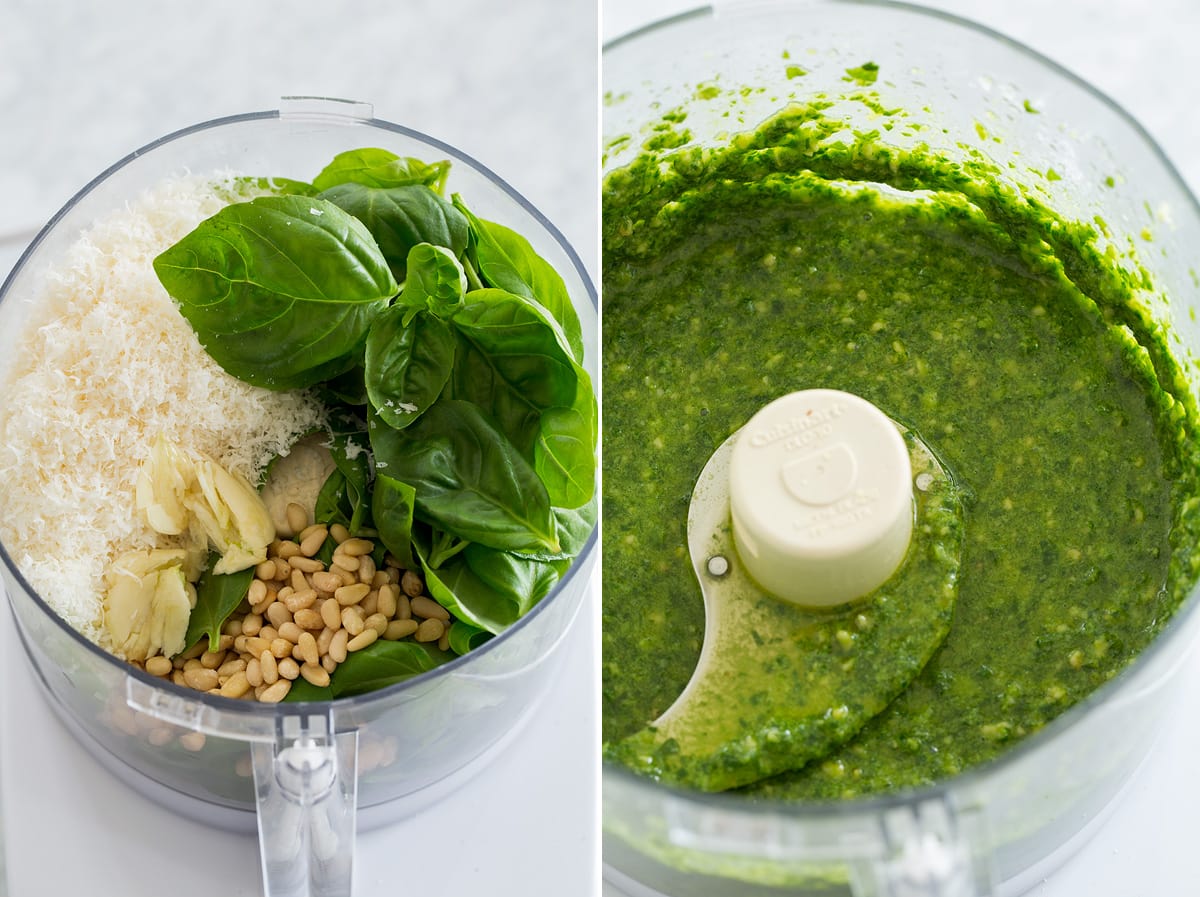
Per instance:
{"type": "Point", "coordinates": [305, 787]}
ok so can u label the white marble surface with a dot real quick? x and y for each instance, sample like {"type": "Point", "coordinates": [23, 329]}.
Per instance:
{"type": "Point", "coordinates": [1142, 54]}
{"type": "Point", "coordinates": [515, 86]}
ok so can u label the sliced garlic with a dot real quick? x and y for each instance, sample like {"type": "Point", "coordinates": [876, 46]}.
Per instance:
{"type": "Point", "coordinates": [163, 481]}
{"type": "Point", "coordinates": [148, 603]}
{"type": "Point", "coordinates": [232, 515]}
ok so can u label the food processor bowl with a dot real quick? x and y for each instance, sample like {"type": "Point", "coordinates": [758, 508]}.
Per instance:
{"type": "Point", "coordinates": [973, 95]}
{"type": "Point", "coordinates": [297, 771]}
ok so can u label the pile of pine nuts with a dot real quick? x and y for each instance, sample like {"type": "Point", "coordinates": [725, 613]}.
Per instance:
{"type": "Point", "coordinates": [300, 620]}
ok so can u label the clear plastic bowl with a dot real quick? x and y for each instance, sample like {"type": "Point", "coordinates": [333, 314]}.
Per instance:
{"type": "Point", "coordinates": [1001, 827]}
{"type": "Point", "coordinates": [303, 767]}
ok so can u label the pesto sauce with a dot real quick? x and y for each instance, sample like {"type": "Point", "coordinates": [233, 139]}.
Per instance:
{"type": "Point", "coordinates": [996, 330]}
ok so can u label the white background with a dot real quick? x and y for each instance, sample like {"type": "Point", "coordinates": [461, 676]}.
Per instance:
{"type": "Point", "coordinates": [512, 84]}
{"type": "Point", "coordinates": [1143, 54]}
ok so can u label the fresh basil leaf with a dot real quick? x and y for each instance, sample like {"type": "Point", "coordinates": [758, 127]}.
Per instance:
{"type": "Point", "coordinates": [464, 637]}
{"type": "Point", "coordinates": [333, 504]}
{"type": "Point", "coordinates": [349, 388]}
{"type": "Point", "coordinates": [564, 456]}
{"type": "Point", "coordinates": [407, 364]}
{"type": "Point", "coordinates": [376, 666]}
{"type": "Point", "coordinates": [575, 525]}
{"type": "Point", "coordinates": [349, 447]}
{"type": "Point", "coordinates": [217, 596]}
{"type": "Point", "coordinates": [374, 167]}
{"type": "Point", "coordinates": [400, 218]}
{"type": "Point", "coordinates": [513, 363]}
{"type": "Point", "coordinates": [281, 290]}
{"type": "Point", "coordinates": [277, 186]}
{"type": "Point", "coordinates": [469, 478]}
{"type": "Point", "coordinates": [434, 279]}
{"type": "Point", "coordinates": [490, 589]}
{"type": "Point", "coordinates": [392, 504]}
{"type": "Point", "coordinates": [507, 261]}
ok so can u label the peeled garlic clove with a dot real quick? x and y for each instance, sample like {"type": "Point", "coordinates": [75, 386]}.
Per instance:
{"type": "Point", "coordinates": [147, 604]}
{"type": "Point", "coordinates": [232, 515]}
{"type": "Point", "coordinates": [162, 483]}
{"type": "Point", "coordinates": [297, 477]}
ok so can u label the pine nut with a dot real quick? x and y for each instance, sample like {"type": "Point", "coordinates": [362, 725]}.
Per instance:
{"type": "Point", "coordinates": [380, 579]}
{"type": "Point", "coordinates": [192, 741]}
{"type": "Point", "coordinates": [265, 570]}
{"type": "Point", "coordinates": [324, 640]}
{"type": "Point", "coordinates": [362, 640]}
{"type": "Point", "coordinates": [444, 641]}
{"type": "Point", "coordinates": [211, 661]}
{"type": "Point", "coordinates": [282, 569]}
{"type": "Point", "coordinates": [329, 664]}
{"type": "Point", "coordinates": [159, 737]}
{"type": "Point", "coordinates": [288, 550]}
{"type": "Point", "coordinates": [225, 643]}
{"type": "Point", "coordinates": [192, 664]}
{"type": "Point", "coordinates": [388, 596]}
{"type": "Point", "coordinates": [430, 631]}
{"type": "Point", "coordinates": [177, 678]}
{"type": "Point", "coordinates": [429, 609]}
{"type": "Point", "coordinates": [273, 694]}
{"type": "Point", "coordinates": [291, 631]}
{"type": "Point", "coordinates": [348, 595]}
{"type": "Point", "coordinates": [201, 678]}
{"type": "Point", "coordinates": [337, 645]}
{"type": "Point", "coordinates": [412, 584]}
{"type": "Point", "coordinates": [352, 621]}
{"type": "Point", "coordinates": [268, 634]}
{"type": "Point", "coordinates": [196, 650]}
{"type": "Point", "coordinates": [312, 539]}
{"type": "Point", "coordinates": [403, 607]}
{"type": "Point", "coordinates": [236, 686]}
{"type": "Point", "coordinates": [340, 533]}
{"type": "Point", "coordinates": [289, 669]}
{"type": "Point", "coordinates": [269, 667]}
{"type": "Point", "coordinates": [331, 613]}
{"type": "Point", "coordinates": [257, 645]}
{"type": "Point", "coordinates": [252, 624]}
{"type": "Point", "coordinates": [308, 648]}
{"type": "Point", "coordinates": [348, 577]}
{"type": "Point", "coordinates": [232, 627]}
{"type": "Point", "coordinates": [347, 562]}
{"type": "Point", "coordinates": [309, 619]}
{"type": "Point", "coordinates": [268, 600]}
{"type": "Point", "coordinates": [281, 648]}
{"type": "Point", "coordinates": [306, 565]}
{"type": "Point", "coordinates": [398, 629]}
{"type": "Point", "coordinates": [370, 604]}
{"type": "Point", "coordinates": [315, 674]}
{"type": "Point", "coordinates": [159, 666]}
{"type": "Point", "coordinates": [297, 516]}
{"type": "Point", "coordinates": [278, 614]}
{"type": "Point", "coordinates": [366, 569]}
{"type": "Point", "coordinates": [231, 667]}
{"type": "Point", "coordinates": [324, 581]}
{"type": "Point", "coordinates": [301, 600]}
{"type": "Point", "coordinates": [378, 622]}
{"type": "Point", "coordinates": [254, 672]}
{"type": "Point", "coordinates": [297, 581]}
{"type": "Point", "coordinates": [356, 547]}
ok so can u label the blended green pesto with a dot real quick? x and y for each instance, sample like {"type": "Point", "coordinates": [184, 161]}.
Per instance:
{"type": "Point", "coordinates": [788, 260]}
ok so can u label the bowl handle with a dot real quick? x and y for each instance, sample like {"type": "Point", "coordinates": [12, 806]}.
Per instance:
{"type": "Point", "coordinates": [305, 784]}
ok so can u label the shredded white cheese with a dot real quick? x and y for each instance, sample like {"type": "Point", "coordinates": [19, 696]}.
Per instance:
{"type": "Point", "coordinates": [109, 363]}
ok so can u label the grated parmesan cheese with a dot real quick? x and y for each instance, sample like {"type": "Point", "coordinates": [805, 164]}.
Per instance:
{"type": "Point", "coordinates": [107, 365]}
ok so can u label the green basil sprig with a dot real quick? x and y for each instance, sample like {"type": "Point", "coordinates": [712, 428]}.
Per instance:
{"type": "Point", "coordinates": [377, 666]}
{"type": "Point", "coordinates": [280, 290]}
{"type": "Point", "coordinates": [217, 597]}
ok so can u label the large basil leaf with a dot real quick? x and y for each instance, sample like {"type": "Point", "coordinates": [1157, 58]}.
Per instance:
{"type": "Point", "coordinates": [490, 589]}
{"type": "Point", "coordinates": [217, 597]}
{"type": "Point", "coordinates": [513, 364]}
{"type": "Point", "coordinates": [407, 364]}
{"type": "Point", "coordinates": [375, 167]}
{"type": "Point", "coordinates": [434, 279]}
{"type": "Point", "coordinates": [575, 525]}
{"type": "Point", "coordinates": [376, 666]}
{"type": "Point", "coordinates": [401, 217]}
{"type": "Point", "coordinates": [465, 638]}
{"type": "Point", "coordinates": [469, 478]}
{"type": "Point", "coordinates": [392, 505]}
{"type": "Point", "coordinates": [507, 261]}
{"type": "Point", "coordinates": [280, 290]}
{"type": "Point", "coordinates": [345, 497]}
